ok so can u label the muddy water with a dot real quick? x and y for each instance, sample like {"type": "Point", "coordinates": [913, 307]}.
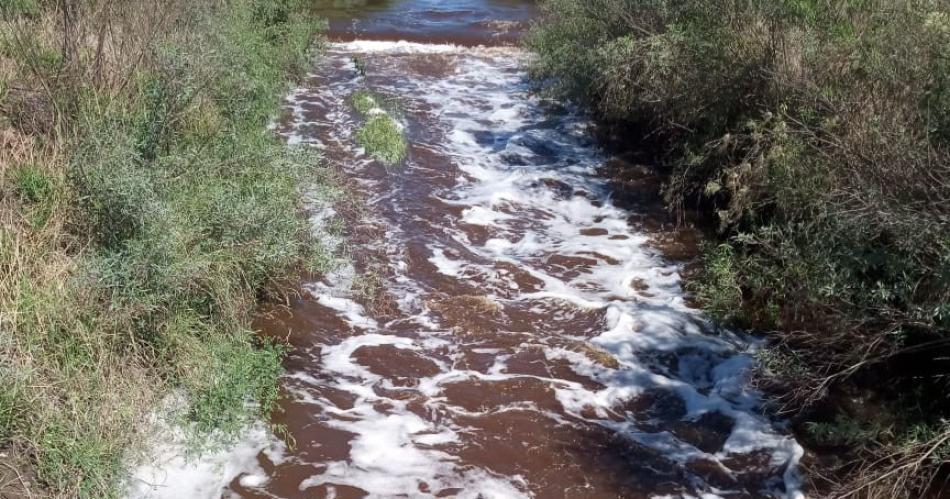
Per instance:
{"type": "Point", "coordinates": [460, 22]}
{"type": "Point", "coordinates": [506, 330]}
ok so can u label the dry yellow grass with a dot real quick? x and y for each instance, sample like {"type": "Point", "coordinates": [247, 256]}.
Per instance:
{"type": "Point", "coordinates": [596, 355]}
{"type": "Point", "coordinates": [467, 313]}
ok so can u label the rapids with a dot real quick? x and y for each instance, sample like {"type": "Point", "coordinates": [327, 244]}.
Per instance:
{"type": "Point", "coordinates": [522, 336]}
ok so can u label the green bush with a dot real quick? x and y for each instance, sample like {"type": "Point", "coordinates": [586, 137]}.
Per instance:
{"type": "Point", "coordinates": [382, 138]}
{"type": "Point", "coordinates": [816, 133]}
{"type": "Point", "coordinates": [179, 213]}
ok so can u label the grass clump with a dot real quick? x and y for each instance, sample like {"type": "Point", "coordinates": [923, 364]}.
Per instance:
{"type": "Point", "coordinates": [136, 135]}
{"type": "Point", "coordinates": [815, 136]}
{"type": "Point", "coordinates": [382, 139]}
{"type": "Point", "coordinates": [365, 101]}
{"type": "Point", "coordinates": [380, 135]}
{"type": "Point", "coordinates": [31, 184]}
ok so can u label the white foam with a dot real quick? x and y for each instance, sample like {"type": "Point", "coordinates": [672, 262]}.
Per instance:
{"type": "Point", "coordinates": [173, 470]}
{"type": "Point", "coordinates": [390, 454]}
{"type": "Point", "coordinates": [517, 179]}
{"type": "Point", "coordinates": [445, 265]}
{"type": "Point", "coordinates": [402, 46]}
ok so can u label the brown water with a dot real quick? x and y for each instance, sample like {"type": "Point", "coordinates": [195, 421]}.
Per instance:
{"type": "Point", "coordinates": [462, 22]}
{"type": "Point", "coordinates": [506, 330]}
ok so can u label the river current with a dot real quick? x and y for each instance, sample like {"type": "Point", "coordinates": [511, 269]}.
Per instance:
{"type": "Point", "coordinates": [506, 328]}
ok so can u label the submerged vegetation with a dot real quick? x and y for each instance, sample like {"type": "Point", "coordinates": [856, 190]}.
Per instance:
{"type": "Point", "coordinates": [145, 211]}
{"type": "Point", "coordinates": [382, 138]}
{"type": "Point", "coordinates": [816, 134]}
{"type": "Point", "coordinates": [380, 135]}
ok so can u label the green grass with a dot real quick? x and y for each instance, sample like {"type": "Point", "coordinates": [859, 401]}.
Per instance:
{"type": "Point", "coordinates": [380, 135]}
{"type": "Point", "coordinates": [365, 101]}
{"type": "Point", "coordinates": [238, 370]}
{"type": "Point", "coordinates": [168, 213]}
{"type": "Point", "coordinates": [382, 139]}
{"type": "Point", "coordinates": [720, 291]}
{"type": "Point", "coordinates": [32, 185]}
{"type": "Point", "coordinates": [37, 192]}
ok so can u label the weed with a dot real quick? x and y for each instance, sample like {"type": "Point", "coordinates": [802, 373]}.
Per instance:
{"type": "Point", "coordinates": [382, 138]}
{"type": "Point", "coordinates": [834, 221]}
{"type": "Point", "coordinates": [360, 65]}
{"type": "Point", "coordinates": [365, 101]}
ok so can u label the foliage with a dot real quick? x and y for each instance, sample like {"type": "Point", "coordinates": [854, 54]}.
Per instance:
{"type": "Point", "coordinates": [168, 212]}
{"type": "Point", "coordinates": [816, 132]}
{"type": "Point", "coordinates": [381, 134]}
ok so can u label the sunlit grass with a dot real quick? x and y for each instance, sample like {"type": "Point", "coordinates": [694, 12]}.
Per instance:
{"type": "Point", "coordinates": [382, 139]}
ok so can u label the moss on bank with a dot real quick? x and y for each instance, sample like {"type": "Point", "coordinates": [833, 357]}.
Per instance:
{"type": "Point", "coordinates": [144, 212]}
{"type": "Point", "coordinates": [815, 135]}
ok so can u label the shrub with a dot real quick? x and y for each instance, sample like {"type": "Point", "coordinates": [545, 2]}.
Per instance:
{"type": "Point", "coordinates": [172, 212]}
{"type": "Point", "coordinates": [382, 138]}
{"type": "Point", "coordinates": [816, 132]}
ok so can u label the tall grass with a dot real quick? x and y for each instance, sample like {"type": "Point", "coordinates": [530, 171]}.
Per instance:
{"type": "Point", "coordinates": [145, 211]}
{"type": "Point", "coordinates": [816, 134]}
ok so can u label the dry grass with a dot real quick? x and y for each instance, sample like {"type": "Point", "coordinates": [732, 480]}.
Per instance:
{"type": "Point", "coordinates": [595, 354]}
{"type": "Point", "coordinates": [468, 313]}
{"type": "Point", "coordinates": [368, 288]}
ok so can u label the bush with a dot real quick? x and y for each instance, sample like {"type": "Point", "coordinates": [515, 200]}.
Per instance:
{"type": "Point", "coordinates": [171, 213]}
{"type": "Point", "coordinates": [816, 133]}
{"type": "Point", "coordinates": [382, 138]}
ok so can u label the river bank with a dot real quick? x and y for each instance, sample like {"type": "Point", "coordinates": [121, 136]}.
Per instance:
{"type": "Point", "coordinates": [813, 135]}
{"type": "Point", "coordinates": [146, 211]}
{"type": "Point", "coordinates": [514, 315]}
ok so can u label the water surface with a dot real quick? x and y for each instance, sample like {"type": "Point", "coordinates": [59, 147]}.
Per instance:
{"type": "Point", "coordinates": [508, 328]}
{"type": "Point", "coordinates": [462, 22]}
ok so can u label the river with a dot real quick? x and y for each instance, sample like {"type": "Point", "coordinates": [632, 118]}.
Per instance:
{"type": "Point", "coordinates": [513, 324]}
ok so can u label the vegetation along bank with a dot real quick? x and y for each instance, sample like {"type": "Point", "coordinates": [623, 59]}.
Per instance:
{"type": "Point", "coordinates": [146, 210]}
{"type": "Point", "coordinates": [815, 134]}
